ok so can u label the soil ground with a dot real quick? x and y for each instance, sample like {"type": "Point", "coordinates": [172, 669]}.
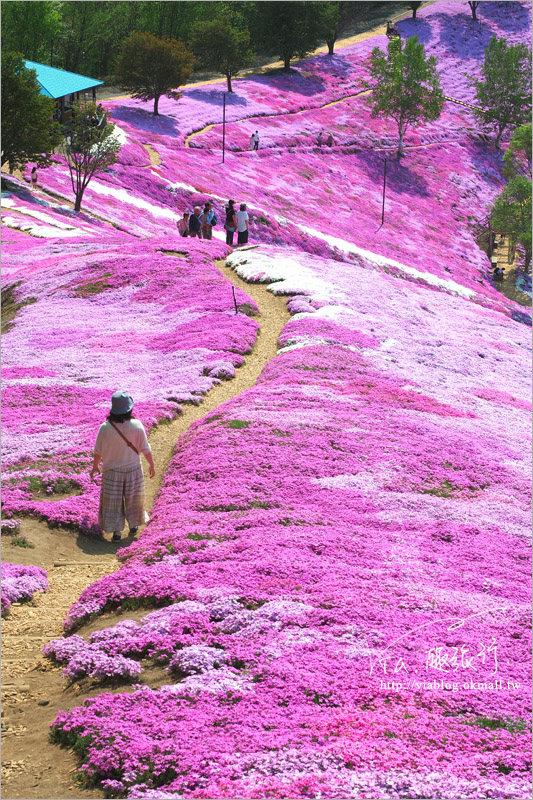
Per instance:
{"type": "Point", "coordinates": [33, 689]}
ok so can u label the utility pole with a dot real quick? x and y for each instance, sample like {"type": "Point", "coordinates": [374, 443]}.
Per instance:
{"type": "Point", "coordinates": [384, 185]}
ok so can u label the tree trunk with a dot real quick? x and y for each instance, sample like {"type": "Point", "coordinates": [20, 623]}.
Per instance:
{"type": "Point", "coordinates": [77, 204]}
{"type": "Point", "coordinates": [473, 8]}
{"type": "Point", "coordinates": [498, 139]}
{"type": "Point", "coordinates": [228, 76]}
{"type": "Point", "coordinates": [527, 261]}
{"type": "Point", "coordinates": [287, 62]}
{"type": "Point", "coordinates": [331, 45]}
{"type": "Point", "coordinates": [156, 105]}
{"type": "Point", "coordinates": [400, 145]}
{"type": "Point", "coordinates": [414, 13]}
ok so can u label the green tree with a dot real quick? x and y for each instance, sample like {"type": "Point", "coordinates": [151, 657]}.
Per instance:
{"type": "Point", "coordinates": [406, 85]}
{"type": "Point", "coordinates": [338, 17]}
{"type": "Point", "coordinates": [222, 47]}
{"type": "Point", "coordinates": [30, 28]}
{"type": "Point", "coordinates": [293, 29]}
{"type": "Point", "coordinates": [149, 67]}
{"type": "Point", "coordinates": [511, 215]}
{"type": "Point", "coordinates": [90, 147]}
{"type": "Point", "coordinates": [503, 93]}
{"type": "Point", "coordinates": [517, 157]}
{"type": "Point", "coordinates": [28, 130]}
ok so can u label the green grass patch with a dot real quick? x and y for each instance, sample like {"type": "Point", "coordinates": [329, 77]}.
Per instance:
{"type": "Point", "coordinates": [498, 723]}
{"type": "Point", "coordinates": [11, 306]}
{"type": "Point", "coordinates": [239, 423]}
{"type": "Point", "coordinates": [21, 541]}
{"type": "Point", "coordinates": [93, 287]}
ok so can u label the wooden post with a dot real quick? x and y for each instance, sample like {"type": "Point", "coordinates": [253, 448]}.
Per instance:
{"type": "Point", "coordinates": [224, 128]}
{"type": "Point", "coordinates": [235, 300]}
{"type": "Point", "coordinates": [384, 185]}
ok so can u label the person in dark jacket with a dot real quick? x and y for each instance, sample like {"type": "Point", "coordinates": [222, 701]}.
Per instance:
{"type": "Point", "coordinates": [195, 226]}
{"type": "Point", "coordinates": [230, 224]}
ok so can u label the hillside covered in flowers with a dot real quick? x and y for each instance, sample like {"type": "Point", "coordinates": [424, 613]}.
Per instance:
{"type": "Point", "coordinates": [336, 574]}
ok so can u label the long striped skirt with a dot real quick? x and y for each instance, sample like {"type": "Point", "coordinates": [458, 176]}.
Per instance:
{"type": "Point", "coordinates": [121, 498]}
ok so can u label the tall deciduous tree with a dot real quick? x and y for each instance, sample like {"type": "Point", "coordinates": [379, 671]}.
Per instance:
{"type": "Point", "coordinates": [28, 130]}
{"type": "Point", "coordinates": [406, 85]}
{"type": "Point", "coordinates": [149, 67]}
{"type": "Point", "coordinates": [221, 46]}
{"type": "Point", "coordinates": [293, 29]}
{"type": "Point", "coordinates": [30, 28]}
{"type": "Point", "coordinates": [91, 147]}
{"type": "Point", "coordinates": [511, 215]}
{"type": "Point", "coordinates": [517, 157]}
{"type": "Point", "coordinates": [503, 93]}
{"type": "Point", "coordinates": [338, 17]}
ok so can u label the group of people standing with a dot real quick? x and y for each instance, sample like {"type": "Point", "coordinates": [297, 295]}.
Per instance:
{"type": "Point", "coordinates": [200, 223]}
{"type": "Point", "coordinates": [329, 140]}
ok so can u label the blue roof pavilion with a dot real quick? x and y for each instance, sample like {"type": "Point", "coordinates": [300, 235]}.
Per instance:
{"type": "Point", "coordinates": [58, 83]}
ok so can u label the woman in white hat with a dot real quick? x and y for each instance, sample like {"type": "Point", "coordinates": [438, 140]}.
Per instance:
{"type": "Point", "coordinates": [119, 445]}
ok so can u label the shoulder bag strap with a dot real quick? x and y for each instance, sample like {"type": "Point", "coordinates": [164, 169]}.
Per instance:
{"type": "Point", "coordinates": [122, 435]}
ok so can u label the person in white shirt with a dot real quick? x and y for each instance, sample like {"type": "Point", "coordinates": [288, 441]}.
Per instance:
{"type": "Point", "coordinates": [256, 140]}
{"type": "Point", "coordinates": [242, 224]}
{"type": "Point", "coordinates": [118, 448]}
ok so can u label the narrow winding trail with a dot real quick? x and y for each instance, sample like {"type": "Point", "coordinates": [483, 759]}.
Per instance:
{"type": "Point", "coordinates": [33, 689]}
{"type": "Point", "coordinates": [279, 114]}
{"type": "Point", "coordinates": [310, 109]}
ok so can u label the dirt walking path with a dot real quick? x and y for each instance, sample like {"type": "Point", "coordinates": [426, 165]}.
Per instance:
{"type": "Point", "coordinates": [33, 689]}
{"type": "Point", "coordinates": [278, 114]}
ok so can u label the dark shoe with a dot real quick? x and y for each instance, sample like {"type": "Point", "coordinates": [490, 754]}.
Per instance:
{"type": "Point", "coordinates": [134, 530]}
{"type": "Point", "coordinates": [116, 537]}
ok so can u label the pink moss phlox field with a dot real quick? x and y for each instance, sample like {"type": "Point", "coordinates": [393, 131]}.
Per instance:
{"type": "Point", "coordinates": [20, 582]}
{"type": "Point", "coordinates": [449, 33]}
{"type": "Point", "coordinates": [372, 457]}
{"type": "Point", "coordinates": [336, 574]}
{"type": "Point", "coordinates": [161, 324]}
{"type": "Point", "coordinates": [328, 202]}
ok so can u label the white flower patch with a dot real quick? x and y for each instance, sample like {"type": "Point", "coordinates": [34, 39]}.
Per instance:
{"type": "Point", "coordinates": [125, 197]}
{"type": "Point", "coordinates": [41, 231]}
{"type": "Point", "coordinates": [362, 481]}
{"type": "Point", "coordinates": [383, 261]}
{"type": "Point", "coordinates": [287, 269]}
